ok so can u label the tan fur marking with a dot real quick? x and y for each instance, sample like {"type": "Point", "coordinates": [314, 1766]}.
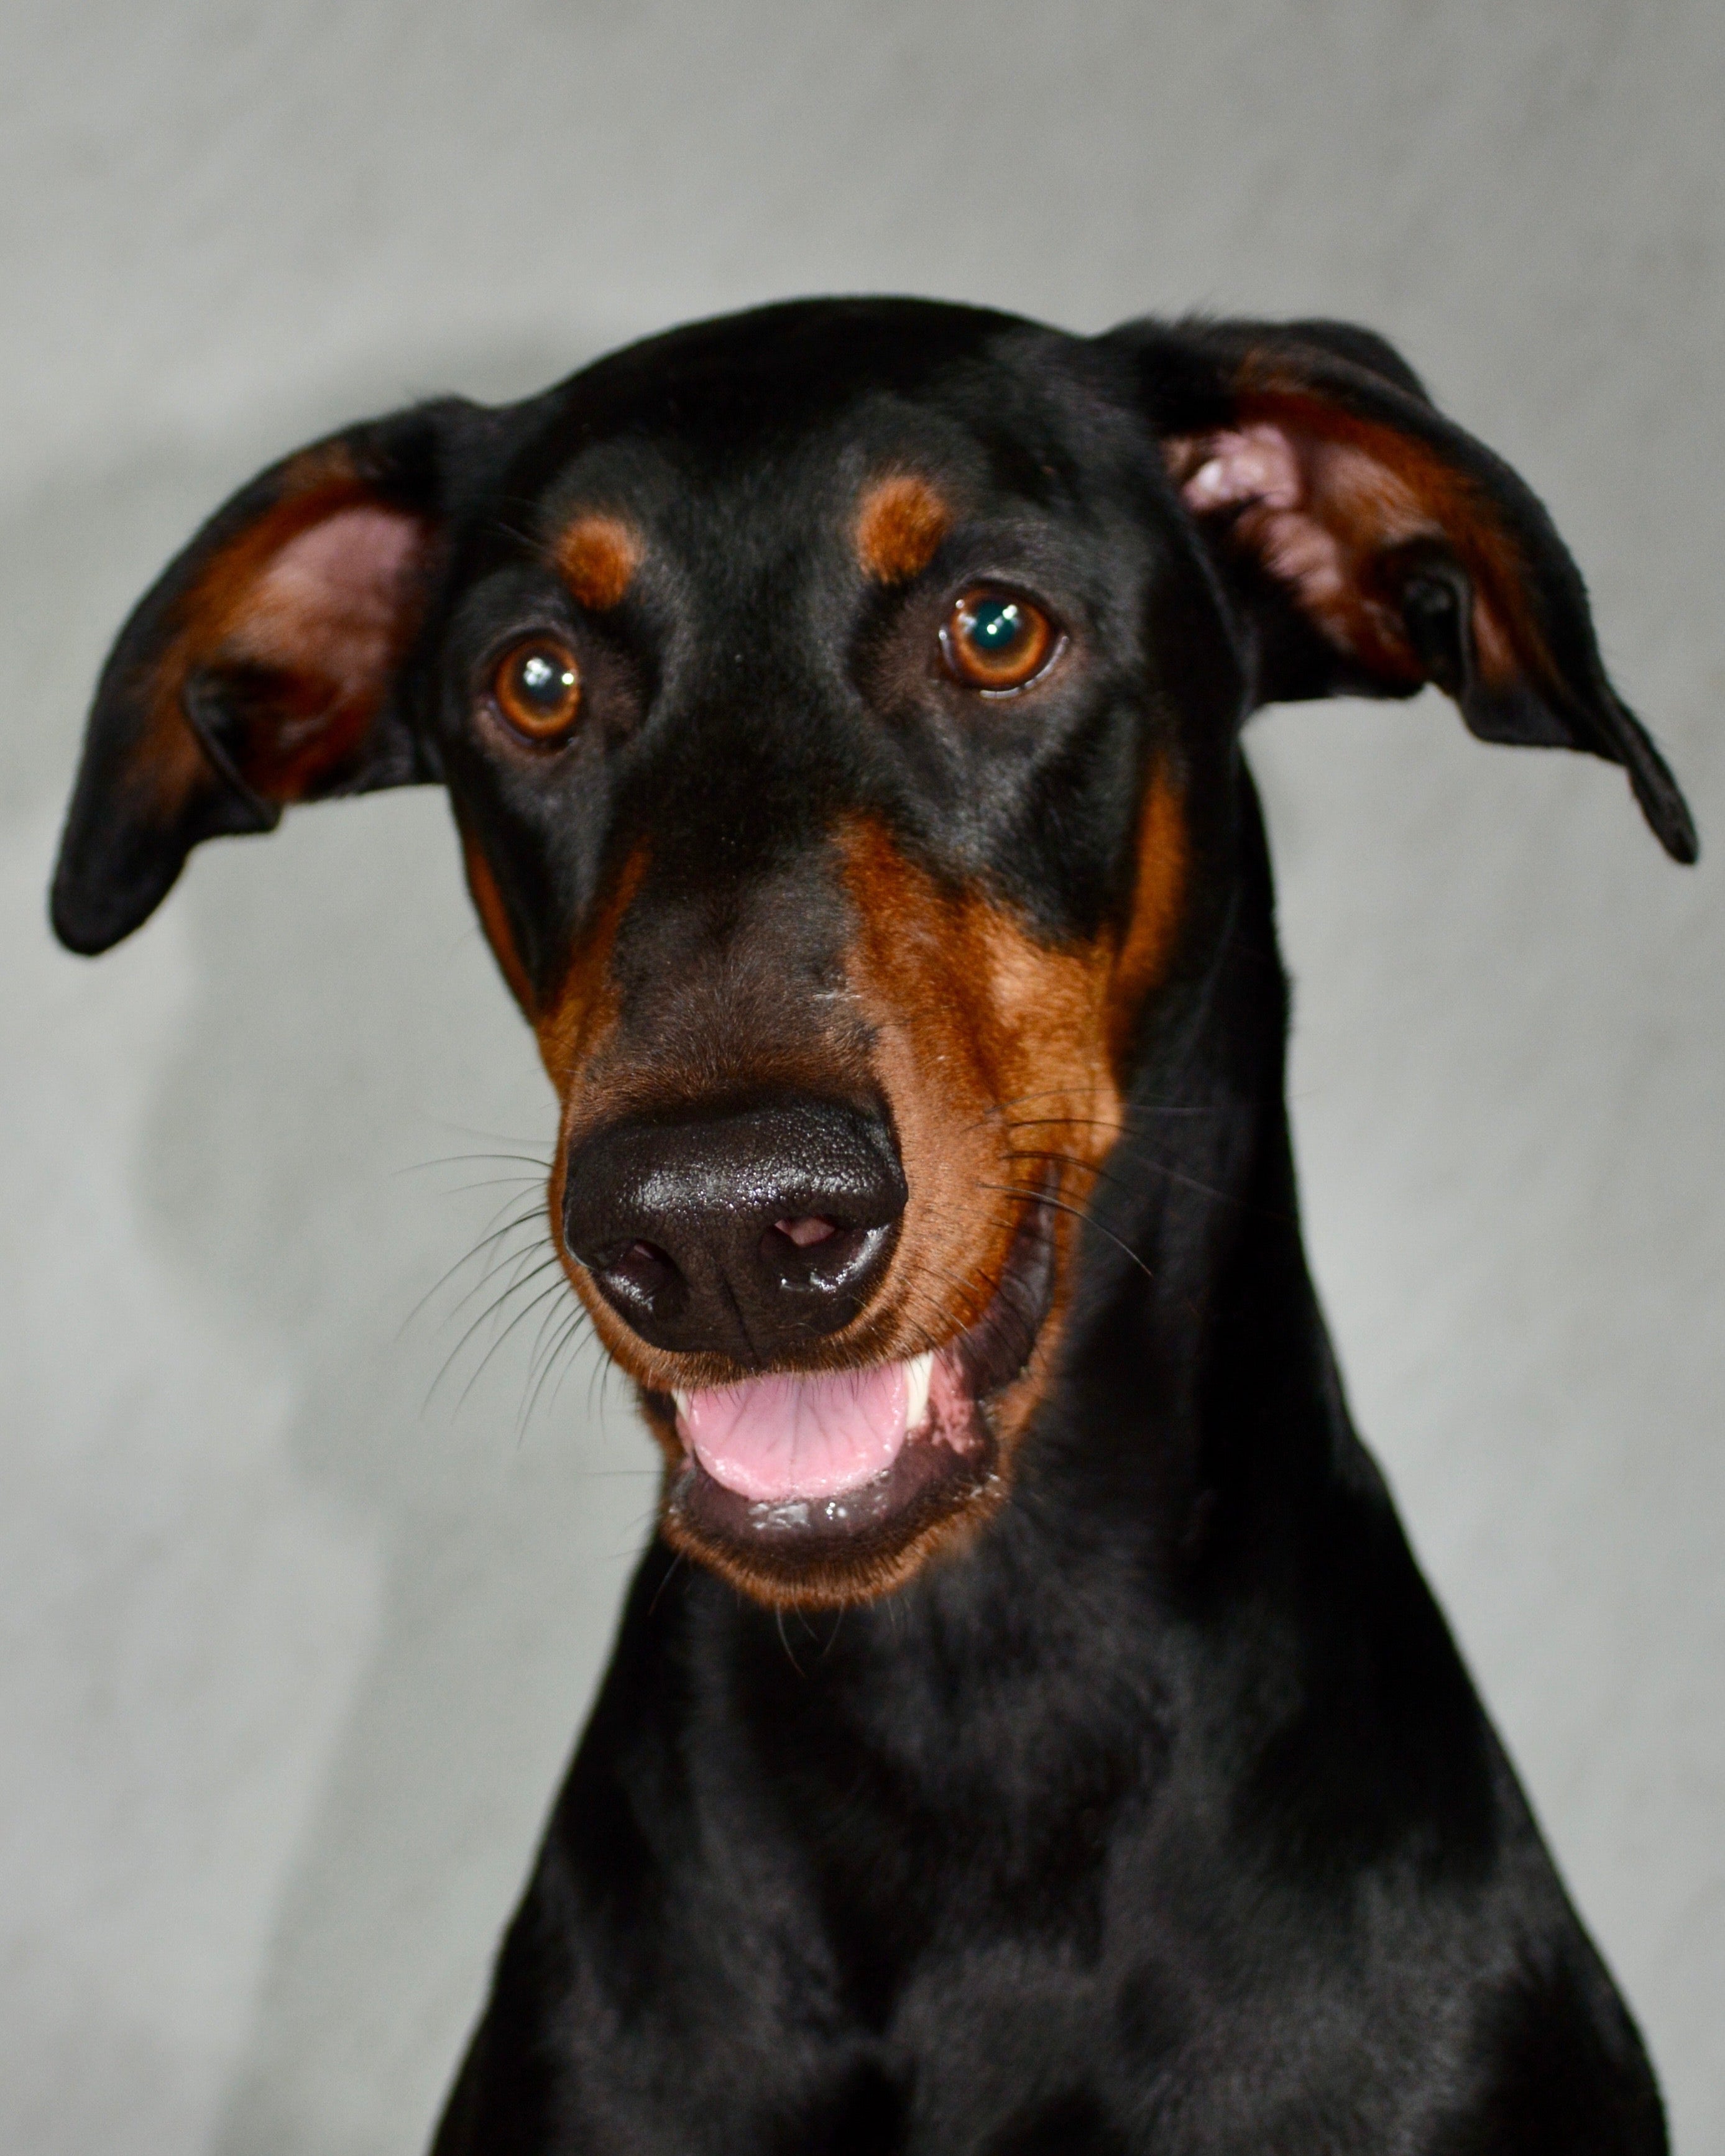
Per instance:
{"type": "Point", "coordinates": [572, 1027]}
{"type": "Point", "coordinates": [901, 522]}
{"type": "Point", "coordinates": [488, 904]}
{"type": "Point", "coordinates": [1001, 1056]}
{"type": "Point", "coordinates": [598, 556]}
{"type": "Point", "coordinates": [1158, 902]}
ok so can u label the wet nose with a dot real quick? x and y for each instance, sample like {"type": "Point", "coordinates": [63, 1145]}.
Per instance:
{"type": "Point", "coordinates": [743, 1233]}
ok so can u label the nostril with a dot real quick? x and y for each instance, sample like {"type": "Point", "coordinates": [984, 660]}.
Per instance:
{"type": "Point", "coordinates": [822, 1257]}
{"type": "Point", "coordinates": [805, 1232]}
{"type": "Point", "coordinates": [642, 1276]}
{"type": "Point", "coordinates": [638, 1260]}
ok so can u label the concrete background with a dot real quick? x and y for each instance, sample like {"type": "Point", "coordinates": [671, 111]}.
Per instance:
{"type": "Point", "coordinates": [295, 1640]}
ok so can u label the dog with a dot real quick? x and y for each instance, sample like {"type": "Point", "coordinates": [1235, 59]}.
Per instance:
{"type": "Point", "coordinates": [840, 708]}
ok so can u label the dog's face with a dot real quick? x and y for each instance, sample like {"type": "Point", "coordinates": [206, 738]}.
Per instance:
{"type": "Point", "coordinates": [825, 780]}
{"type": "Point", "coordinates": [839, 706]}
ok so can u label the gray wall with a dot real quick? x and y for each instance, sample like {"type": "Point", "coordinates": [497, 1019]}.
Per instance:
{"type": "Point", "coordinates": [297, 1637]}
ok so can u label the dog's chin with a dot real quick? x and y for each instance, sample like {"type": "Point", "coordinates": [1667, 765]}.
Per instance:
{"type": "Point", "coordinates": [825, 1488]}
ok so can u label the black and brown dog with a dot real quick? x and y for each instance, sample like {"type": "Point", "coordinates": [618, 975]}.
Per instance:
{"type": "Point", "coordinates": [840, 706]}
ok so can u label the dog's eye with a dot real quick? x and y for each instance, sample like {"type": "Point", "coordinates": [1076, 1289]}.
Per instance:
{"type": "Point", "coordinates": [994, 641]}
{"type": "Point", "coordinates": [538, 686]}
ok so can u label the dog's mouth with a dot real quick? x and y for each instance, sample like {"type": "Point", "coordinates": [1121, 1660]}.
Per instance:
{"type": "Point", "coordinates": [824, 1487]}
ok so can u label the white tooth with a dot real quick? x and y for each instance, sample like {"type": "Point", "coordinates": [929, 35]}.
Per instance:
{"type": "Point", "coordinates": [682, 1401]}
{"type": "Point", "coordinates": [917, 1372]}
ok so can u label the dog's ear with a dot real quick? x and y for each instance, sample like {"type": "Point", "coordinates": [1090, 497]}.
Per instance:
{"type": "Point", "coordinates": [1372, 545]}
{"type": "Point", "coordinates": [262, 668]}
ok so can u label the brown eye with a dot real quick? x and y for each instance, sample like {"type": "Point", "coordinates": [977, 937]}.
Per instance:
{"type": "Point", "coordinates": [993, 640]}
{"type": "Point", "coordinates": [539, 689]}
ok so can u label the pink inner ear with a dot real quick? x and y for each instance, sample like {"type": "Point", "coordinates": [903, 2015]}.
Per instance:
{"type": "Point", "coordinates": [330, 604]}
{"type": "Point", "coordinates": [1258, 469]}
{"type": "Point", "coordinates": [1256, 463]}
{"type": "Point", "coordinates": [1315, 512]}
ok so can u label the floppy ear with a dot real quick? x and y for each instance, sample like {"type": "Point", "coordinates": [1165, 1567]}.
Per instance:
{"type": "Point", "coordinates": [1374, 547]}
{"type": "Point", "coordinates": [260, 669]}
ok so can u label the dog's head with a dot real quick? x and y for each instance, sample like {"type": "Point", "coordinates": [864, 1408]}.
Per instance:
{"type": "Point", "coordinates": [840, 706]}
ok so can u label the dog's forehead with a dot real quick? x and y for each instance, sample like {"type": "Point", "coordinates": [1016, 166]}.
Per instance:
{"type": "Point", "coordinates": [743, 380]}
{"type": "Point", "coordinates": [766, 427]}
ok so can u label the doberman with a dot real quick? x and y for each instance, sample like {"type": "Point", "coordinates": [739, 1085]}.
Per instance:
{"type": "Point", "coordinates": [840, 706]}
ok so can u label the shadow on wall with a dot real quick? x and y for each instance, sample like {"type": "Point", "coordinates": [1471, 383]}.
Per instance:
{"type": "Point", "coordinates": [343, 1025]}
{"type": "Point", "coordinates": [298, 1083]}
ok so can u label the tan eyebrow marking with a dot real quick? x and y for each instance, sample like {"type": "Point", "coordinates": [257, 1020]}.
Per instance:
{"type": "Point", "coordinates": [901, 522]}
{"type": "Point", "coordinates": [598, 554]}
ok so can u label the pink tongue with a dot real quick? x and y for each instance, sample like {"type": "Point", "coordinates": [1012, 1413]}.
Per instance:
{"type": "Point", "coordinates": [798, 1437]}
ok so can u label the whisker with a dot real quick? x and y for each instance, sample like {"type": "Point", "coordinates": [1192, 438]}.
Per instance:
{"type": "Point", "coordinates": [570, 1359]}
{"type": "Point", "coordinates": [469, 1160]}
{"type": "Point", "coordinates": [551, 1326]}
{"type": "Point", "coordinates": [1077, 1214]}
{"type": "Point", "coordinates": [1153, 1167]}
{"type": "Point", "coordinates": [557, 1287]}
{"type": "Point", "coordinates": [522, 1220]}
{"type": "Point", "coordinates": [1191, 1183]}
{"type": "Point", "coordinates": [1125, 1108]}
{"type": "Point", "coordinates": [595, 1384]}
{"type": "Point", "coordinates": [670, 1574]}
{"type": "Point", "coordinates": [490, 1311]}
{"type": "Point", "coordinates": [1120, 1124]}
{"type": "Point", "coordinates": [1072, 1160]}
{"type": "Point", "coordinates": [569, 1331]}
{"type": "Point", "coordinates": [608, 1371]}
{"type": "Point", "coordinates": [990, 1284]}
{"type": "Point", "coordinates": [931, 1345]}
{"type": "Point", "coordinates": [494, 1183]}
{"type": "Point", "coordinates": [490, 1138]}
{"type": "Point", "coordinates": [521, 1271]}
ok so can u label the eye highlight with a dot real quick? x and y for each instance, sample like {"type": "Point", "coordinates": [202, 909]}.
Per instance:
{"type": "Point", "coordinates": [538, 688]}
{"type": "Point", "coordinates": [996, 640]}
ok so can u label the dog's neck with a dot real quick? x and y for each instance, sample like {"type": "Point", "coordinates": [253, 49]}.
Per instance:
{"type": "Point", "coordinates": [1198, 1397]}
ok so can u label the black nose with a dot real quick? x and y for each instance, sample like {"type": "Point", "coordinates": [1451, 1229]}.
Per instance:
{"type": "Point", "coordinates": [740, 1234]}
